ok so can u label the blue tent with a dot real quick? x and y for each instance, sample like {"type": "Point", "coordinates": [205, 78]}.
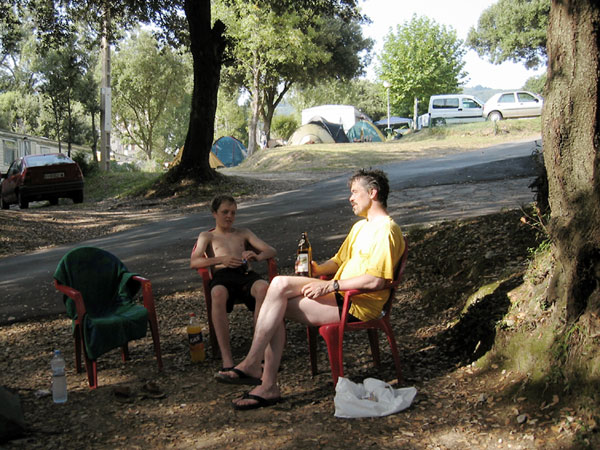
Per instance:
{"type": "Point", "coordinates": [365, 131]}
{"type": "Point", "coordinates": [229, 150]}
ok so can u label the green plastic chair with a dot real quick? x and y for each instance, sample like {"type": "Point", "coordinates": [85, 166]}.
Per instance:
{"type": "Point", "coordinates": [99, 296]}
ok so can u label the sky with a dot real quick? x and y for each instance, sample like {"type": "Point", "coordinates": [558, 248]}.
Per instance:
{"type": "Point", "coordinates": [458, 14]}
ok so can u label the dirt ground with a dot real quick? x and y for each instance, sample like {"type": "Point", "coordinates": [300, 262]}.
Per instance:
{"type": "Point", "coordinates": [459, 403]}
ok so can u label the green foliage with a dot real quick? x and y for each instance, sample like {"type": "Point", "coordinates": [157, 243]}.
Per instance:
{"type": "Point", "coordinates": [284, 126]}
{"type": "Point", "coordinates": [283, 45]}
{"type": "Point", "coordinates": [421, 59]}
{"type": "Point", "coordinates": [20, 112]}
{"type": "Point", "coordinates": [17, 52]}
{"type": "Point", "coordinates": [231, 118]}
{"type": "Point", "coordinates": [149, 83]}
{"type": "Point", "coordinates": [87, 167]}
{"type": "Point", "coordinates": [512, 30]}
{"type": "Point", "coordinates": [536, 84]}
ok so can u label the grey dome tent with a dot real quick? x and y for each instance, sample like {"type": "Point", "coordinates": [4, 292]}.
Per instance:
{"type": "Point", "coordinates": [334, 129]}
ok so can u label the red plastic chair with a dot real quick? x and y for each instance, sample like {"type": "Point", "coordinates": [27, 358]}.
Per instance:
{"type": "Point", "coordinates": [81, 311]}
{"type": "Point", "coordinates": [333, 333]}
{"type": "Point", "coordinates": [206, 274]}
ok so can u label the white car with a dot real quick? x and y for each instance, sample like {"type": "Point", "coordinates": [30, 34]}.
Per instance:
{"type": "Point", "coordinates": [513, 104]}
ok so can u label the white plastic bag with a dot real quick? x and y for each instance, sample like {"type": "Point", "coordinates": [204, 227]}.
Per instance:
{"type": "Point", "coordinates": [372, 398]}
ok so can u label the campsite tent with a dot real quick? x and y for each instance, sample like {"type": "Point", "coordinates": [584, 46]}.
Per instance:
{"type": "Point", "coordinates": [229, 152]}
{"type": "Point", "coordinates": [334, 129]}
{"type": "Point", "coordinates": [318, 131]}
{"type": "Point", "coordinates": [310, 133]}
{"type": "Point", "coordinates": [214, 161]}
{"type": "Point", "coordinates": [364, 131]}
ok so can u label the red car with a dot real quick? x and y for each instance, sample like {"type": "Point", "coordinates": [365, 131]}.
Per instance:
{"type": "Point", "coordinates": [41, 177]}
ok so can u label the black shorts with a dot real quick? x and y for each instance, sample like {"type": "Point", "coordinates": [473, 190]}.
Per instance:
{"type": "Point", "coordinates": [339, 298]}
{"type": "Point", "coordinates": [238, 283]}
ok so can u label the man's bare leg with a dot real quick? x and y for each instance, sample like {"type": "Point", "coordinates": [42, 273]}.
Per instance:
{"type": "Point", "coordinates": [282, 300]}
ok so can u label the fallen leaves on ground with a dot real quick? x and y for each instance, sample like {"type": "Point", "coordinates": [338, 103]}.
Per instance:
{"type": "Point", "coordinates": [441, 334]}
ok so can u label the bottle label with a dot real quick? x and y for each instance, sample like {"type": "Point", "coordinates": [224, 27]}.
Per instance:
{"type": "Point", "coordinates": [302, 263]}
{"type": "Point", "coordinates": [195, 338]}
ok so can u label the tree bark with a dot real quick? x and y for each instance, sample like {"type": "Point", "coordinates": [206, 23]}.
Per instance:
{"type": "Point", "coordinates": [271, 99]}
{"type": "Point", "coordinates": [571, 152]}
{"type": "Point", "coordinates": [206, 45]}
{"type": "Point", "coordinates": [254, 105]}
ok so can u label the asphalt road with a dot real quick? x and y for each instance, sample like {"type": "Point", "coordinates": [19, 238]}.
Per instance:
{"type": "Point", "coordinates": [440, 188]}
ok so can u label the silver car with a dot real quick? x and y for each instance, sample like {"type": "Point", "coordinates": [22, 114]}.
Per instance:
{"type": "Point", "coordinates": [513, 104]}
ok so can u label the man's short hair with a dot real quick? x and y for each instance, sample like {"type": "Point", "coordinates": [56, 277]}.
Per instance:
{"type": "Point", "coordinates": [219, 199]}
{"type": "Point", "coordinates": [374, 179]}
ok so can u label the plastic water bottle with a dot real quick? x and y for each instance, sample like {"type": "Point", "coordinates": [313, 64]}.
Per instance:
{"type": "Point", "coordinates": [59, 379]}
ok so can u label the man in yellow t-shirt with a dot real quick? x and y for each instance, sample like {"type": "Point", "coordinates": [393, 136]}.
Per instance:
{"type": "Point", "coordinates": [366, 260]}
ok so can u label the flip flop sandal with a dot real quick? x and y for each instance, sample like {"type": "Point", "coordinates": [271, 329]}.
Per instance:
{"type": "Point", "coordinates": [242, 378]}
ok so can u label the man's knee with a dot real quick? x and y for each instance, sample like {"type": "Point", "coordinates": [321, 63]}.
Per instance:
{"type": "Point", "coordinates": [280, 283]}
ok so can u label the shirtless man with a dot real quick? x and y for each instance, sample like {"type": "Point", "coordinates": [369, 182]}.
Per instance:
{"type": "Point", "coordinates": [225, 249]}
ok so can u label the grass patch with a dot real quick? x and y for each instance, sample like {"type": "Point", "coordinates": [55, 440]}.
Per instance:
{"type": "Point", "coordinates": [441, 140]}
{"type": "Point", "coordinates": [117, 184]}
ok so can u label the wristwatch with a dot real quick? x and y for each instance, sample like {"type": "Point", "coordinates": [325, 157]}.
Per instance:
{"type": "Point", "coordinates": [336, 285]}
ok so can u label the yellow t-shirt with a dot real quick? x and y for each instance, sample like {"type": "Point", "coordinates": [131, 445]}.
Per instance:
{"type": "Point", "coordinates": [372, 247]}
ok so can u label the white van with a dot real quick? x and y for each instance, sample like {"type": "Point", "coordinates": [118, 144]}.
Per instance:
{"type": "Point", "coordinates": [453, 108]}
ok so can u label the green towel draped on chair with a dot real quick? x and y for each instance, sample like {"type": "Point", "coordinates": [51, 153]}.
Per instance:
{"type": "Point", "coordinates": [112, 317]}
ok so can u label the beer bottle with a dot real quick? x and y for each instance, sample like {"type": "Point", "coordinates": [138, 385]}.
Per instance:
{"type": "Point", "coordinates": [304, 256]}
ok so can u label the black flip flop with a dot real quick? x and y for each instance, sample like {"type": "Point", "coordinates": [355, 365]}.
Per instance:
{"type": "Point", "coordinates": [242, 378]}
{"type": "Point", "coordinates": [261, 402]}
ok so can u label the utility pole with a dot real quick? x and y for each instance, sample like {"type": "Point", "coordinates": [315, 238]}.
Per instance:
{"type": "Point", "coordinates": [105, 97]}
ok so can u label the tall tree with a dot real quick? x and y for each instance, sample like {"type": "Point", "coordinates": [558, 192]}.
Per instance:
{"type": "Point", "coordinates": [149, 82]}
{"type": "Point", "coordinates": [421, 59]}
{"type": "Point", "coordinates": [20, 112]}
{"type": "Point", "coordinates": [17, 54]}
{"type": "Point", "coordinates": [571, 135]}
{"type": "Point", "coordinates": [231, 117]}
{"type": "Point", "coordinates": [61, 71]}
{"type": "Point", "coordinates": [512, 30]}
{"type": "Point", "coordinates": [275, 49]}
{"type": "Point", "coordinates": [195, 27]}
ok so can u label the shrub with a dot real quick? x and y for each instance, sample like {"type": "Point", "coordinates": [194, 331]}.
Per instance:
{"type": "Point", "coordinates": [87, 167]}
{"type": "Point", "coordinates": [283, 126]}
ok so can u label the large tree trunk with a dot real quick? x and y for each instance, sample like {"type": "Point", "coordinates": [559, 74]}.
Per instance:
{"type": "Point", "coordinates": [206, 45]}
{"type": "Point", "coordinates": [571, 153]}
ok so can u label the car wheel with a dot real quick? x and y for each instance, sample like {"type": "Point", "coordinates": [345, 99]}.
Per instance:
{"type": "Point", "coordinates": [3, 203]}
{"type": "Point", "coordinates": [495, 116]}
{"type": "Point", "coordinates": [23, 202]}
{"type": "Point", "coordinates": [78, 197]}
{"type": "Point", "coordinates": [439, 122]}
